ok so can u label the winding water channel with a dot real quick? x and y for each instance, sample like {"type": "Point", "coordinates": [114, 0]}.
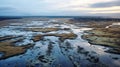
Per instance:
{"type": "Point", "coordinates": [69, 53]}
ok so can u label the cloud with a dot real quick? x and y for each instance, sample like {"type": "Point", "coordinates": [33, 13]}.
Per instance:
{"type": "Point", "coordinates": [106, 4]}
{"type": "Point", "coordinates": [111, 8]}
{"type": "Point", "coordinates": [6, 9]}
{"type": "Point", "coordinates": [10, 11]}
{"type": "Point", "coordinates": [57, 7]}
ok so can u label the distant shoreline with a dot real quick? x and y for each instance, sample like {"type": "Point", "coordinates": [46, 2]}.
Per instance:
{"type": "Point", "coordinates": [76, 18]}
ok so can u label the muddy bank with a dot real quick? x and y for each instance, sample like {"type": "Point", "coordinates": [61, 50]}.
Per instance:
{"type": "Point", "coordinates": [8, 47]}
{"type": "Point", "coordinates": [106, 37]}
{"type": "Point", "coordinates": [62, 36]}
{"type": "Point", "coordinates": [45, 30]}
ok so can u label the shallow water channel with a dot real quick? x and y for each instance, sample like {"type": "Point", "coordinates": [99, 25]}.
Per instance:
{"type": "Point", "coordinates": [52, 52]}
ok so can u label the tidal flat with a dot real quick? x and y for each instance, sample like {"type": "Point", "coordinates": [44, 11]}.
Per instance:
{"type": "Point", "coordinates": [59, 42]}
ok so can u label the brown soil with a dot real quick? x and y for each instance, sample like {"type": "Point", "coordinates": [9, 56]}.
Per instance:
{"type": "Point", "coordinates": [9, 49]}
{"type": "Point", "coordinates": [62, 36]}
{"type": "Point", "coordinates": [45, 29]}
{"type": "Point", "coordinates": [104, 36]}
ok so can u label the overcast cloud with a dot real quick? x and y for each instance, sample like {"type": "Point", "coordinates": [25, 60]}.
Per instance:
{"type": "Point", "coordinates": [59, 7]}
{"type": "Point", "coordinates": [106, 4]}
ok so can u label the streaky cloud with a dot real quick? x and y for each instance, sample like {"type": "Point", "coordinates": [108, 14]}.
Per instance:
{"type": "Point", "coordinates": [106, 4]}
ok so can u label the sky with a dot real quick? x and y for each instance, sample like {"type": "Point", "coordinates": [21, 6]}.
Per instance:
{"type": "Point", "coordinates": [59, 7]}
